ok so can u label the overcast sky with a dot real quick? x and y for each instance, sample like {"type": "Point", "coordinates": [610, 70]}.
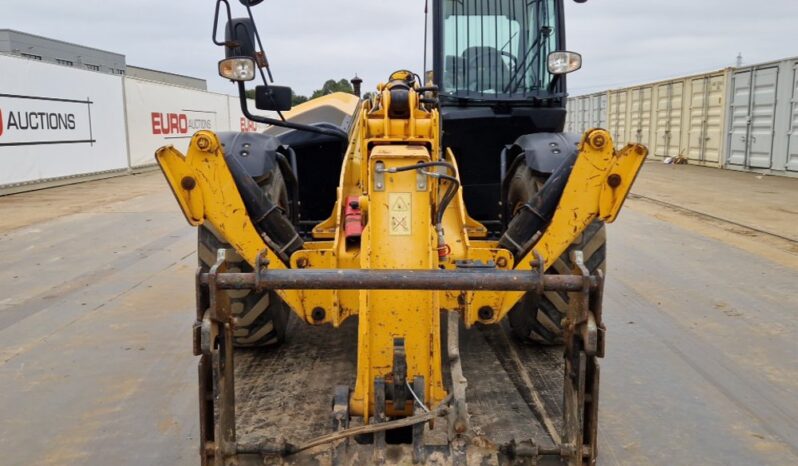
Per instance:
{"type": "Point", "coordinates": [308, 41]}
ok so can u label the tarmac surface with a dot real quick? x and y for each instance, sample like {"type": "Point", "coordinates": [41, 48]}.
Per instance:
{"type": "Point", "coordinates": [97, 296]}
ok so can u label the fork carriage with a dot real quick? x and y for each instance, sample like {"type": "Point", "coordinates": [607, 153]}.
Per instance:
{"type": "Point", "coordinates": [584, 344]}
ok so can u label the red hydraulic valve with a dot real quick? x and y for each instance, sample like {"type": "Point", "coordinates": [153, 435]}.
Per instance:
{"type": "Point", "coordinates": [353, 218]}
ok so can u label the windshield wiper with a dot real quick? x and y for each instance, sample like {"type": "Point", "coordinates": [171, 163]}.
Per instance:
{"type": "Point", "coordinates": [525, 64]}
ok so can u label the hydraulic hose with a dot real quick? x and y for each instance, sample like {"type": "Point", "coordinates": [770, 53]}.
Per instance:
{"type": "Point", "coordinates": [267, 217]}
{"type": "Point", "coordinates": [535, 215]}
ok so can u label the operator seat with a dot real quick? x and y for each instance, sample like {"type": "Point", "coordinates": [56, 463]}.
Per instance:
{"type": "Point", "coordinates": [485, 69]}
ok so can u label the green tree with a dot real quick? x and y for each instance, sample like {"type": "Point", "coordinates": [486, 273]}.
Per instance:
{"type": "Point", "coordinates": [331, 86]}
{"type": "Point", "coordinates": [298, 99]}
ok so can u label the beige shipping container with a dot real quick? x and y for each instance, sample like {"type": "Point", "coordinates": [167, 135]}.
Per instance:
{"type": "Point", "coordinates": [669, 99]}
{"type": "Point", "coordinates": [705, 118]}
{"type": "Point", "coordinates": [598, 116]}
{"type": "Point", "coordinates": [570, 116]}
{"type": "Point", "coordinates": [618, 117]}
{"type": "Point", "coordinates": [641, 115]}
{"type": "Point", "coordinates": [583, 117]}
{"type": "Point", "coordinates": [586, 112]}
{"type": "Point", "coordinates": [684, 116]}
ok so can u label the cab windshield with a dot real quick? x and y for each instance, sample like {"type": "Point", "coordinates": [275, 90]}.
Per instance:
{"type": "Point", "coordinates": [497, 49]}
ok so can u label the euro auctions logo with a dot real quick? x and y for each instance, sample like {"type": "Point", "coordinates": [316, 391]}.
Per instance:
{"type": "Point", "coordinates": [181, 124]}
{"type": "Point", "coordinates": [35, 120]}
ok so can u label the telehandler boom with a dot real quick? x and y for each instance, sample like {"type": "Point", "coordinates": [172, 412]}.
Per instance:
{"type": "Point", "coordinates": [409, 280]}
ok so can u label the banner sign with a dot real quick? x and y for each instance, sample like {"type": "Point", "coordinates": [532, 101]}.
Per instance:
{"type": "Point", "coordinates": [162, 114]}
{"type": "Point", "coordinates": [56, 121]}
{"type": "Point", "coordinates": [34, 120]}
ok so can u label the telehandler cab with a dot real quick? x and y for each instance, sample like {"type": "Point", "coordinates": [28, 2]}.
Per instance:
{"type": "Point", "coordinates": [425, 224]}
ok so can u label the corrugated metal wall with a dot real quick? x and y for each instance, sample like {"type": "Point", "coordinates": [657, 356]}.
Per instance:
{"type": "Point", "coordinates": [738, 118]}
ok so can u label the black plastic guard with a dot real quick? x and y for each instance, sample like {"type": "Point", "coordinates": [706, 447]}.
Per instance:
{"type": "Point", "coordinates": [267, 217]}
{"type": "Point", "coordinates": [255, 152]}
{"type": "Point", "coordinates": [545, 152]}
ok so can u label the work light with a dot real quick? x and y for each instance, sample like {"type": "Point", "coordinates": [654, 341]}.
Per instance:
{"type": "Point", "coordinates": [564, 62]}
{"type": "Point", "coordinates": [237, 68]}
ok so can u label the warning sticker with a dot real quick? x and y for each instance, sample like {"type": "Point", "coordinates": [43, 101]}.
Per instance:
{"type": "Point", "coordinates": [399, 214]}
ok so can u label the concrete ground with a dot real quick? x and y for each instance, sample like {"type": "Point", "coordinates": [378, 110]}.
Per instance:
{"type": "Point", "coordinates": [96, 302]}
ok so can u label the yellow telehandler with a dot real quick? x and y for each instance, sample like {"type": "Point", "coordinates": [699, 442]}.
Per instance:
{"type": "Point", "coordinates": [412, 277]}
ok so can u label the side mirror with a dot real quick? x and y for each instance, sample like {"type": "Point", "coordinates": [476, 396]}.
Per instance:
{"type": "Point", "coordinates": [239, 37]}
{"type": "Point", "coordinates": [274, 98]}
{"type": "Point", "coordinates": [564, 62]}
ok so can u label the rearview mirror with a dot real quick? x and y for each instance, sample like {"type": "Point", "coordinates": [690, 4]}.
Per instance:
{"type": "Point", "coordinates": [239, 37]}
{"type": "Point", "coordinates": [274, 98]}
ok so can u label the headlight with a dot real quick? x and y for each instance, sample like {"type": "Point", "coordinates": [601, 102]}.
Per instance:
{"type": "Point", "coordinates": [237, 68]}
{"type": "Point", "coordinates": [564, 62]}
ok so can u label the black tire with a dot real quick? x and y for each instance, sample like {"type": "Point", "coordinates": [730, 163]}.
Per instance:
{"type": "Point", "coordinates": [536, 320]}
{"type": "Point", "coordinates": [262, 317]}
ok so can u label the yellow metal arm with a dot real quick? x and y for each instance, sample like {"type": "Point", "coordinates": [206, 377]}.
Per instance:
{"type": "Point", "coordinates": [597, 187]}
{"type": "Point", "coordinates": [205, 190]}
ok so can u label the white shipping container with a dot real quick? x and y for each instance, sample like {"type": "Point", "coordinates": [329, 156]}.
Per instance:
{"type": "Point", "coordinates": [752, 117]}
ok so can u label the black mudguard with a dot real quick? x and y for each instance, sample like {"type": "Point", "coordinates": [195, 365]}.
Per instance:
{"type": "Point", "coordinates": [251, 156]}
{"type": "Point", "coordinates": [552, 154]}
{"type": "Point", "coordinates": [255, 152]}
{"type": "Point", "coordinates": [544, 152]}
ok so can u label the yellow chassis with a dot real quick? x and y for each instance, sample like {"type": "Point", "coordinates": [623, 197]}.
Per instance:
{"type": "Point", "coordinates": [399, 234]}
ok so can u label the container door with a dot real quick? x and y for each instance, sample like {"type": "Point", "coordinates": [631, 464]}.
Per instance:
{"type": "Point", "coordinates": [713, 128]}
{"type": "Point", "coordinates": [676, 115]}
{"type": "Point", "coordinates": [697, 118]}
{"type": "Point", "coordinates": [669, 119]}
{"type": "Point", "coordinates": [792, 148]}
{"type": "Point", "coordinates": [584, 114]}
{"type": "Point", "coordinates": [600, 111]}
{"type": "Point", "coordinates": [661, 132]}
{"type": "Point", "coordinates": [706, 119]}
{"type": "Point", "coordinates": [739, 119]}
{"type": "Point", "coordinates": [569, 115]}
{"type": "Point", "coordinates": [618, 101]}
{"type": "Point", "coordinates": [763, 117]}
{"type": "Point", "coordinates": [640, 115]}
{"type": "Point", "coordinates": [645, 120]}
{"type": "Point", "coordinates": [636, 114]}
